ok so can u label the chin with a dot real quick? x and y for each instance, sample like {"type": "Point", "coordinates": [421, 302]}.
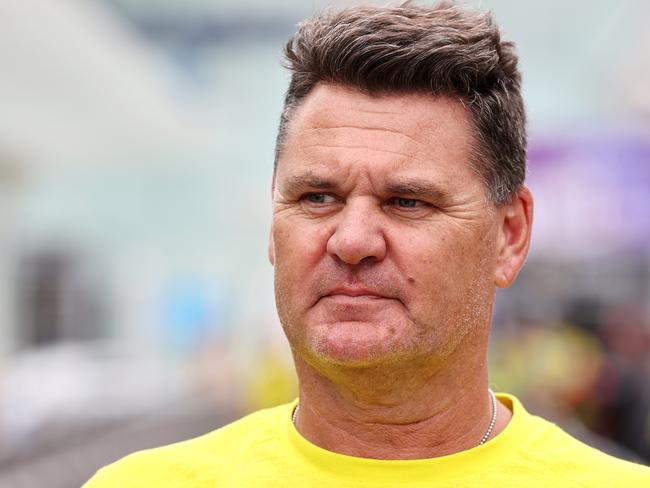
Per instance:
{"type": "Point", "coordinates": [356, 344]}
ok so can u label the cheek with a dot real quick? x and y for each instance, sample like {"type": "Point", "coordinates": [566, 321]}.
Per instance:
{"type": "Point", "coordinates": [451, 290]}
{"type": "Point", "coordinates": [298, 252]}
{"type": "Point", "coordinates": [428, 259]}
{"type": "Point", "coordinates": [445, 266]}
{"type": "Point", "coordinates": [297, 249]}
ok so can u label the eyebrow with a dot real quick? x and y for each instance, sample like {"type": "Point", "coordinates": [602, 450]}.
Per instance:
{"type": "Point", "coordinates": [418, 188]}
{"type": "Point", "coordinates": [307, 181]}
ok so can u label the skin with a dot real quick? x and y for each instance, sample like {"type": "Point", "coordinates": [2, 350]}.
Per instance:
{"type": "Point", "coordinates": [387, 256]}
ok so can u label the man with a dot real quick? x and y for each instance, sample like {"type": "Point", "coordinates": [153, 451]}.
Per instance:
{"type": "Point", "coordinates": [399, 206]}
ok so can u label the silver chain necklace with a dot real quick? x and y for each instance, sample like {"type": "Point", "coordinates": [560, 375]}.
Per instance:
{"type": "Point", "coordinates": [493, 421]}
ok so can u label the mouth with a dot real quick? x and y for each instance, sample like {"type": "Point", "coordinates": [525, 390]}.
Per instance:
{"type": "Point", "coordinates": [353, 299]}
{"type": "Point", "coordinates": [350, 292]}
{"type": "Point", "coordinates": [352, 305]}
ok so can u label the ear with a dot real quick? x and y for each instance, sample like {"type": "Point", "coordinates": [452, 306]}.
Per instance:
{"type": "Point", "coordinates": [271, 249]}
{"type": "Point", "coordinates": [515, 224]}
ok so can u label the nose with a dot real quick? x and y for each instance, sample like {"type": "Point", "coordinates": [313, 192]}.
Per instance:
{"type": "Point", "coordinates": [358, 235]}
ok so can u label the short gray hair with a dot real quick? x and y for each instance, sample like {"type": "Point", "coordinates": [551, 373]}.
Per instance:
{"type": "Point", "coordinates": [441, 50]}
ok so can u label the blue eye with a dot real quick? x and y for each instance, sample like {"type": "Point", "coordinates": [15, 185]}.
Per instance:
{"type": "Point", "coordinates": [319, 198]}
{"type": "Point", "coordinates": [406, 202]}
{"type": "Point", "coordinates": [316, 197]}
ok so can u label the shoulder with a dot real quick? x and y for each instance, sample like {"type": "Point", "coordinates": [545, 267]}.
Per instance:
{"type": "Point", "coordinates": [544, 448]}
{"type": "Point", "coordinates": [193, 462]}
{"type": "Point", "coordinates": [586, 466]}
{"type": "Point", "coordinates": [574, 456]}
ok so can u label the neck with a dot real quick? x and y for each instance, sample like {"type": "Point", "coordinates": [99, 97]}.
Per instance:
{"type": "Point", "coordinates": [393, 413]}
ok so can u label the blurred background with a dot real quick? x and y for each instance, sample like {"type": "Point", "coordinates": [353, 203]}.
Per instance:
{"type": "Point", "coordinates": [136, 150]}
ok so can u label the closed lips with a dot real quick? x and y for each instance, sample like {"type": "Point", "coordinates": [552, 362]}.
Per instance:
{"type": "Point", "coordinates": [356, 292]}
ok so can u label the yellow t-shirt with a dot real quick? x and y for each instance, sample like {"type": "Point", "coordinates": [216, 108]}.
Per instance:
{"type": "Point", "coordinates": [265, 450]}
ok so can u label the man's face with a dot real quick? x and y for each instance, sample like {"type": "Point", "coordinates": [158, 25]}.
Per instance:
{"type": "Point", "coordinates": [384, 246]}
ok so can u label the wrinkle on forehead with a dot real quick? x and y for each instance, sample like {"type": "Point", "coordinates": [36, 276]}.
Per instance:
{"type": "Point", "coordinates": [353, 116]}
{"type": "Point", "coordinates": [353, 137]}
{"type": "Point", "coordinates": [334, 131]}
{"type": "Point", "coordinates": [381, 129]}
{"type": "Point", "coordinates": [371, 148]}
{"type": "Point", "coordinates": [376, 112]}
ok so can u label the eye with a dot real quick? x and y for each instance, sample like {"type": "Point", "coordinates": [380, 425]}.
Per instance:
{"type": "Point", "coordinates": [319, 198]}
{"type": "Point", "coordinates": [406, 203]}
{"type": "Point", "coordinates": [319, 204]}
{"type": "Point", "coordinates": [409, 207]}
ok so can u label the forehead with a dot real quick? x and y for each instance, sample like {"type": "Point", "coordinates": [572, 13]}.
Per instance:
{"type": "Point", "coordinates": [341, 126]}
{"type": "Point", "coordinates": [406, 112]}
